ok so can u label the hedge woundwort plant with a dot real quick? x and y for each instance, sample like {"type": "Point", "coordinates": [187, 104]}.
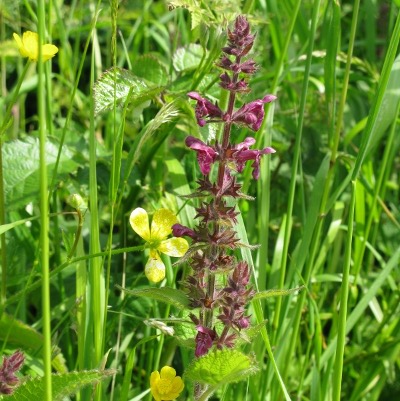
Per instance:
{"type": "Point", "coordinates": [214, 238]}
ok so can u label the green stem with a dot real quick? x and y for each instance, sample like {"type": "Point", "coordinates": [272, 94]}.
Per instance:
{"type": "Point", "coordinates": [44, 209]}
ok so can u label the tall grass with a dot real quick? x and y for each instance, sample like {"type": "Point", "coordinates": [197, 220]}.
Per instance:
{"type": "Point", "coordinates": [326, 210]}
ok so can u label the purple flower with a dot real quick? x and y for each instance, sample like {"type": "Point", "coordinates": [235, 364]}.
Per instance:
{"type": "Point", "coordinates": [252, 114]}
{"type": "Point", "coordinates": [240, 39]}
{"type": "Point", "coordinates": [204, 108]}
{"type": "Point", "coordinates": [178, 230]}
{"type": "Point", "coordinates": [204, 340]}
{"type": "Point", "coordinates": [242, 156]}
{"type": "Point", "coordinates": [233, 86]}
{"type": "Point", "coordinates": [248, 66]}
{"type": "Point", "coordinates": [10, 366]}
{"type": "Point", "coordinates": [206, 155]}
{"type": "Point", "coordinates": [243, 322]}
{"type": "Point", "coordinates": [241, 153]}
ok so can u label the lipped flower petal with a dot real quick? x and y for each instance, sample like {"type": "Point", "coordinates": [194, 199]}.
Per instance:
{"type": "Point", "coordinates": [204, 108]}
{"type": "Point", "coordinates": [155, 268]}
{"type": "Point", "coordinates": [252, 114]}
{"type": "Point", "coordinates": [174, 247]}
{"type": "Point", "coordinates": [161, 225]}
{"type": "Point", "coordinates": [206, 155]}
{"type": "Point", "coordinates": [178, 230]}
{"type": "Point", "coordinates": [139, 220]}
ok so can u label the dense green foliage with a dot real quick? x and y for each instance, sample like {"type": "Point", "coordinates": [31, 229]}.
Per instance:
{"type": "Point", "coordinates": [107, 120]}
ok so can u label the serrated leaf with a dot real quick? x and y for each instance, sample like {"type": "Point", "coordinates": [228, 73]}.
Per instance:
{"type": "Point", "coordinates": [167, 295]}
{"type": "Point", "coordinates": [221, 367]}
{"type": "Point", "coordinates": [187, 58]}
{"type": "Point", "coordinates": [150, 70]}
{"type": "Point", "coordinates": [21, 168]}
{"type": "Point", "coordinates": [126, 85]}
{"type": "Point", "coordinates": [276, 293]}
{"type": "Point", "coordinates": [62, 385]}
{"type": "Point", "coordinates": [25, 337]}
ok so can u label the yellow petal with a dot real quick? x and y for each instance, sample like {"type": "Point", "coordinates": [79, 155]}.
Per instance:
{"type": "Point", "coordinates": [155, 268]}
{"type": "Point", "coordinates": [177, 385]}
{"type": "Point", "coordinates": [48, 51]}
{"type": "Point", "coordinates": [139, 220]}
{"type": "Point", "coordinates": [154, 379]}
{"type": "Point", "coordinates": [174, 247]}
{"type": "Point", "coordinates": [20, 45]}
{"type": "Point", "coordinates": [163, 220]}
{"type": "Point", "coordinates": [30, 42]}
{"type": "Point", "coordinates": [168, 373]}
{"type": "Point", "coordinates": [18, 40]}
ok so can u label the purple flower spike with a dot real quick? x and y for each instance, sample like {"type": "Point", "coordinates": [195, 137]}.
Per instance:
{"type": "Point", "coordinates": [206, 155]}
{"type": "Point", "coordinates": [252, 114]}
{"type": "Point", "coordinates": [204, 108]}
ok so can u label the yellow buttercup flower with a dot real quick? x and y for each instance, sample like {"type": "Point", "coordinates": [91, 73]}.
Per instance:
{"type": "Point", "coordinates": [156, 238]}
{"type": "Point", "coordinates": [29, 46]}
{"type": "Point", "coordinates": [167, 385]}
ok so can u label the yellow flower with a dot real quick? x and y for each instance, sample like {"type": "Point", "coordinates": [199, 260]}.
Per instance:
{"type": "Point", "coordinates": [155, 236]}
{"type": "Point", "coordinates": [29, 46]}
{"type": "Point", "coordinates": [166, 386]}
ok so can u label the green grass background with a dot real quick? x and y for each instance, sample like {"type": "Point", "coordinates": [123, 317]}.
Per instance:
{"type": "Point", "coordinates": [326, 210]}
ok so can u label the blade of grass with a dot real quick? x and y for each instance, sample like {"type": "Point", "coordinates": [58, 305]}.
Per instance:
{"type": "Point", "coordinates": [344, 294]}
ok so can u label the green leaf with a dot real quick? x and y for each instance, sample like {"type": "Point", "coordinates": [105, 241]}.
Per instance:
{"type": "Point", "coordinates": [62, 385]}
{"type": "Point", "coordinates": [5, 227]}
{"type": "Point", "coordinates": [21, 168]}
{"type": "Point", "coordinates": [25, 337]}
{"type": "Point", "coordinates": [126, 85]}
{"type": "Point", "coordinates": [221, 367]}
{"type": "Point", "coordinates": [150, 70]}
{"type": "Point", "coordinates": [276, 293]}
{"type": "Point", "coordinates": [168, 295]}
{"type": "Point", "coordinates": [387, 110]}
{"type": "Point", "coordinates": [187, 58]}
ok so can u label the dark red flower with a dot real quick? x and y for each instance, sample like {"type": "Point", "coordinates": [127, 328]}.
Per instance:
{"type": "Point", "coordinates": [206, 155]}
{"type": "Point", "coordinates": [11, 365]}
{"type": "Point", "coordinates": [204, 340]}
{"type": "Point", "coordinates": [241, 153]}
{"type": "Point", "coordinates": [252, 114]}
{"type": "Point", "coordinates": [178, 230]}
{"type": "Point", "coordinates": [204, 108]}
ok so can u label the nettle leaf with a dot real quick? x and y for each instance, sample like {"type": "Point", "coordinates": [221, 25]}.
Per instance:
{"type": "Point", "coordinates": [197, 14]}
{"type": "Point", "coordinates": [150, 69]}
{"type": "Point", "coordinates": [221, 367]}
{"type": "Point", "coordinates": [276, 293]}
{"type": "Point", "coordinates": [21, 168]}
{"type": "Point", "coordinates": [188, 57]}
{"type": "Point", "coordinates": [62, 385]}
{"type": "Point", "coordinates": [167, 295]}
{"type": "Point", "coordinates": [126, 84]}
